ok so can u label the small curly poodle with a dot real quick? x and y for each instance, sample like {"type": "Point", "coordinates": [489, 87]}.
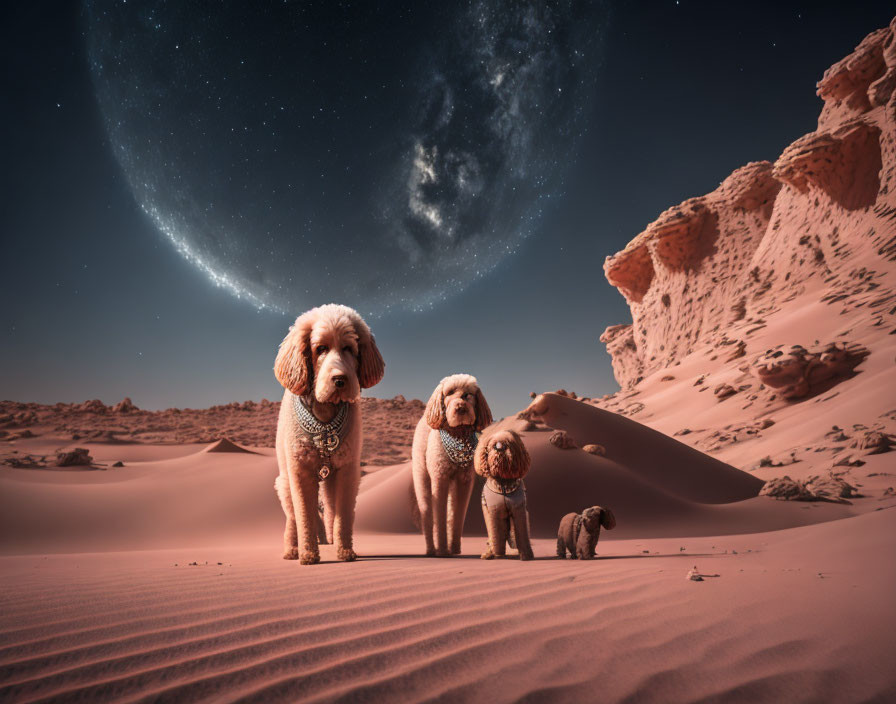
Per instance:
{"type": "Point", "coordinates": [502, 458]}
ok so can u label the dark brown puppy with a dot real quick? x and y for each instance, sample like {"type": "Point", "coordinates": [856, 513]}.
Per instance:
{"type": "Point", "coordinates": [579, 532]}
{"type": "Point", "coordinates": [502, 458]}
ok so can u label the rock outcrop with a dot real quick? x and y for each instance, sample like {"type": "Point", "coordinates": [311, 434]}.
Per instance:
{"type": "Point", "coordinates": [799, 372]}
{"type": "Point", "coordinates": [710, 271]}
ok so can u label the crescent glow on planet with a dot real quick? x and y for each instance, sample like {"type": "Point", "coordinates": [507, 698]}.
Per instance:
{"type": "Point", "coordinates": [300, 153]}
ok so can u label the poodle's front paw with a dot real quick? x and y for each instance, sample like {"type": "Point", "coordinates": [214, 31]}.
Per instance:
{"type": "Point", "coordinates": [525, 556]}
{"type": "Point", "coordinates": [443, 552]}
{"type": "Point", "coordinates": [346, 555]}
{"type": "Point", "coordinates": [430, 552]}
{"type": "Point", "coordinates": [487, 555]}
{"type": "Point", "coordinates": [309, 558]}
{"type": "Point", "coordinates": [291, 553]}
{"type": "Point", "coordinates": [455, 549]}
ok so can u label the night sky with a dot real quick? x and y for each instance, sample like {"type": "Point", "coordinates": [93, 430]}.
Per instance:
{"type": "Point", "coordinates": [180, 183]}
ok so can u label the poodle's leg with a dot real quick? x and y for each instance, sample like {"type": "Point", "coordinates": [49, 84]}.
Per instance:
{"type": "Point", "coordinates": [521, 528]}
{"type": "Point", "coordinates": [329, 491]}
{"type": "Point", "coordinates": [303, 489]}
{"type": "Point", "coordinates": [592, 545]}
{"type": "Point", "coordinates": [460, 492]}
{"type": "Point", "coordinates": [502, 526]}
{"type": "Point", "coordinates": [290, 536]}
{"type": "Point", "coordinates": [561, 548]}
{"type": "Point", "coordinates": [439, 517]}
{"type": "Point", "coordinates": [423, 492]}
{"type": "Point", "coordinates": [490, 525]}
{"type": "Point", "coordinates": [347, 482]}
{"type": "Point", "coordinates": [585, 544]}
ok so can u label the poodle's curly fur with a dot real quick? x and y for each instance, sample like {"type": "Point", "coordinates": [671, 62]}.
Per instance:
{"type": "Point", "coordinates": [442, 488]}
{"type": "Point", "coordinates": [579, 533]}
{"type": "Point", "coordinates": [501, 457]}
{"type": "Point", "coordinates": [327, 357]}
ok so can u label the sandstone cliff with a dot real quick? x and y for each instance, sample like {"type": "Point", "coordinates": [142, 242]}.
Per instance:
{"type": "Point", "coordinates": [764, 313]}
{"type": "Point", "coordinates": [711, 270]}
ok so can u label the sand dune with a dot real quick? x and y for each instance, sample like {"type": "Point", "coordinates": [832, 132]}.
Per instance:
{"type": "Point", "coordinates": [226, 445]}
{"type": "Point", "coordinates": [127, 626]}
{"type": "Point", "coordinates": [655, 485]}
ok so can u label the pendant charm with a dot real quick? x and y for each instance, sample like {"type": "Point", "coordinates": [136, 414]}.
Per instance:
{"type": "Point", "coordinates": [326, 441]}
{"type": "Point", "coordinates": [324, 472]}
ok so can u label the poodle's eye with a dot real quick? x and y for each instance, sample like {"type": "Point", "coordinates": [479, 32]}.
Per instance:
{"type": "Point", "coordinates": [322, 349]}
{"type": "Point", "coordinates": [467, 396]}
{"type": "Point", "coordinates": [347, 348]}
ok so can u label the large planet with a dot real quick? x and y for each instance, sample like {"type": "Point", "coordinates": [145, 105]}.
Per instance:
{"type": "Point", "coordinates": [381, 156]}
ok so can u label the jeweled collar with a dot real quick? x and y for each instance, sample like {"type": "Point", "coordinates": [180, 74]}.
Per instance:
{"type": "Point", "coordinates": [325, 436]}
{"type": "Point", "coordinates": [460, 450]}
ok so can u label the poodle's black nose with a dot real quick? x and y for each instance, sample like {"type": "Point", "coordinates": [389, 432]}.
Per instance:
{"type": "Point", "coordinates": [339, 381]}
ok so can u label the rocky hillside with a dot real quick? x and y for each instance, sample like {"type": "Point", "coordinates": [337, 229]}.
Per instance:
{"type": "Point", "coordinates": [764, 313]}
{"type": "Point", "coordinates": [711, 270]}
{"type": "Point", "coordinates": [388, 424]}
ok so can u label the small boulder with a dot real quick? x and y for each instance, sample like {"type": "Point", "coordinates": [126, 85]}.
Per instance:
{"type": "Point", "coordinates": [723, 391]}
{"type": "Point", "coordinates": [125, 406]}
{"type": "Point", "coordinates": [118, 464]}
{"type": "Point", "coordinates": [815, 488]}
{"type": "Point", "coordinates": [786, 489]}
{"type": "Point", "coordinates": [595, 449]}
{"type": "Point", "coordinates": [79, 457]}
{"type": "Point", "coordinates": [561, 439]}
{"type": "Point", "coordinates": [873, 442]}
{"type": "Point", "coordinates": [830, 488]}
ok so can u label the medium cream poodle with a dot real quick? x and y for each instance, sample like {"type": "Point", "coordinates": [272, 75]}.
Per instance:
{"type": "Point", "coordinates": [325, 360]}
{"type": "Point", "coordinates": [442, 460]}
{"type": "Point", "coordinates": [579, 532]}
{"type": "Point", "coordinates": [502, 458]}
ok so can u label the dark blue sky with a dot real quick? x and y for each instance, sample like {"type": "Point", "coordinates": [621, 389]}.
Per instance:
{"type": "Point", "coordinates": [99, 304]}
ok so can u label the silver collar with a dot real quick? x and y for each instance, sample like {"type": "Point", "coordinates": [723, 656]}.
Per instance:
{"type": "Point", "coordinates": [459, 450]}
{"type": "Point", "coordinates": [325, 436]}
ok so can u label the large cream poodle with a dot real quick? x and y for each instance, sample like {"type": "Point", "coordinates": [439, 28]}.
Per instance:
{"type": "Point", "coordinates": [326, 359]}
{"type": "Point", "coordinates": [502, 459]}
{"type": "Point", "coordinates": [442, 460]}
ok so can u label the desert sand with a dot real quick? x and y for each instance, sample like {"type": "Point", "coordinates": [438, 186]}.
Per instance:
{"type": "Point", "coordinates": [154, 571]}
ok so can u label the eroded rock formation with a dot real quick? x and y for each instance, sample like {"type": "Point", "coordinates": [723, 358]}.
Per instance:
{"type": "Point", "coordinates": [709, 271]}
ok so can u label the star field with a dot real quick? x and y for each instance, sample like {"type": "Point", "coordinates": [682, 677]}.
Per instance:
{"type": "Point", "coordinates": [385, 157]}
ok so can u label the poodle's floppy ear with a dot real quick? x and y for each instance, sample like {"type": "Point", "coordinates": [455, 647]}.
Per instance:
{"type": "Point", "coordinates": [519, 455]}
{"type": "Point", "coordinates": [293, 364]}
{"type": "Point", "coordinates": [435, 408]}
{"type": "Point", "coordinates": [371, 366]}
{"type": "Point", "coordinates": [483, 412]}
{"type": "Point", "coordinates": [607, 519]}
{"type": "Point", "coordinates": [480, 458]}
